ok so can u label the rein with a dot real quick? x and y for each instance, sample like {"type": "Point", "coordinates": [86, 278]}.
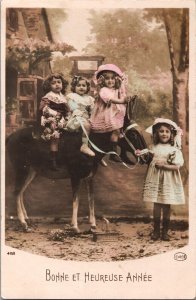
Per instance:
{"type": "Point", "coordinates": [111, 152]}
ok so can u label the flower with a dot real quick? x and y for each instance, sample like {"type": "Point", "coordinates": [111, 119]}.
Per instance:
{"type": "Point", "coordinates": [33, 50]}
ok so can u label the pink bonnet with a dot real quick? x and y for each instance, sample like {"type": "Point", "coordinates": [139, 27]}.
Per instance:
{"type": "Point", "coordinates": [109, 67]}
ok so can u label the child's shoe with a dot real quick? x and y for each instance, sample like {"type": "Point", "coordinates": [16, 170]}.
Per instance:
{"type": "Point", "coordinates": [115, 157]}
{"type": "Point", "coordinates": [86, 150]}
{"type": "Point", "coordinates": [156, 233]}
{"type": "Point", "coordinates": [165, 236]}
{"type": "Point", "coordinates": [155, 236]}
{"type": "Point", "coordinates": [103, 163]}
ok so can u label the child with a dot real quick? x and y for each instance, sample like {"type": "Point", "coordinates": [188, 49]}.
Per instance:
{"type": "Point", "coordinates": [163, 184]}
{"type": "Point", "coordinates": [81, 105]}
{"type": "Point", "coordinates": [109, 111]}
{"type": "Point", "coordinates": [54, 111]}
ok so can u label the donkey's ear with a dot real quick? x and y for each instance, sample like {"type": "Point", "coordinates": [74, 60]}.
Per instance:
{"type": "Point", "coordinates": [133, 103]}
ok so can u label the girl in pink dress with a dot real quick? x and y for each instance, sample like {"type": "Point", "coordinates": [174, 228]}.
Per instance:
{"type": "Point", "coordinates": [109, 110]}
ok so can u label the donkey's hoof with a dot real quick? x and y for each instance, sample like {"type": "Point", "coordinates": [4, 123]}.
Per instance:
{"type": "Point", "coordinates": [93, 229]}
{"type": "Point", "coordinates": [29, 222]}
{"type": "Point", "coordinates": [75, 229]}
{"type": "Point", "coordinates": [26, 228]}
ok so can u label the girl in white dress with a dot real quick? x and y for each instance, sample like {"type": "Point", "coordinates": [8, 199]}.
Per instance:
{"type": "Point", "coordinates": [81, 105]}
{"type": "Point", "coordinates": [163, 185]}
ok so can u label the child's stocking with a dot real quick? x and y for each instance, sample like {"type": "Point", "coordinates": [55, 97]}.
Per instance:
{"type": "Point", "coordinates": [114, 157]}
{"type": "Point", "coordinates": [84, 148]}
{"type": "Point", "coordinates": [156, 216]}
{"type": "Point", "coordinates": [53, 154]}
{"type": "Point", "coordinates": [166, 222]}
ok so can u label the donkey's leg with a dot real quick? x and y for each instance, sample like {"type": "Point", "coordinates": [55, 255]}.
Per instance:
{"type": "Point", "coordinates": [75, 183]}
{"type": "Point", "coordinates": [21, 211]}
{"type": "Point", "coordinates": [90, 190]}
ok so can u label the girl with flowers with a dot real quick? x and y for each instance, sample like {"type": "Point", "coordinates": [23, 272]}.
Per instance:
{"type": "Point", "coordinates": [55, 112]}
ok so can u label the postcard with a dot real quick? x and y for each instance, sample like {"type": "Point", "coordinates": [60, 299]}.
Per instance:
{"type": "Point", "coordinates": [98, 149]}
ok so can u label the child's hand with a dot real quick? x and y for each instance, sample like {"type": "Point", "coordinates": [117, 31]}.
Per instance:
{"type": "Point", "coordinates": [138, 152]}
{"type": "Point", "coordinates": [88, 109]}
{"type": "Point", "coordinates": [58, 115]}
{"type": "Point", "coordinates": [109, 102]}
{"type": "Point", "coordinates": [126, 100]}
{"type": "Point", "coordinates": [160, 164]}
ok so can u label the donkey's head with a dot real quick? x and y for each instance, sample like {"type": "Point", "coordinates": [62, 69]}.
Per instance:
{"type": "Point", "coordinates": [133, 137]}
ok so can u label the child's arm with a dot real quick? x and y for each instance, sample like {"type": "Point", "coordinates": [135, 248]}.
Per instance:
{"type": "Point", "coordinates": [118, 101]}
{"type": "Point", "coordinates": [72, 104]}
{"type": "Point", "coordinates": [108, 97]}
{"type": "Point", "coordinates": [44, 102]}
{"type": "Point", "coordinates": [165, 166]}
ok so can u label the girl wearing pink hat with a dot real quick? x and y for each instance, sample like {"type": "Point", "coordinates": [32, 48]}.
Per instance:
{"type": "Point", "coordinates": [163, 185]}
{"type": "Point", "coordinates": [109, 110]}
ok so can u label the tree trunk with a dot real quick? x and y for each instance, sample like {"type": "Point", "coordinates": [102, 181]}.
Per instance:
{"type": "Point", "coordinates": [180, 82]}
{"type": "Point", "coordinates": [180, 87]}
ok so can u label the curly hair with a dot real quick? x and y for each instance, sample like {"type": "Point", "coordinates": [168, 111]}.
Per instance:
{"type": "Point", "coordinates": [101, 79]}
{"type": "Point", "coordinates": [156, 136]}
{"type": "Point", "coordinates": [48, 80]}
{"type": "Point", "coordinates": [76, 80]}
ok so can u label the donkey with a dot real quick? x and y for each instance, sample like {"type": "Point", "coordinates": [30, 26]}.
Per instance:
{"type": "Point", "coordinates": [30, 157]}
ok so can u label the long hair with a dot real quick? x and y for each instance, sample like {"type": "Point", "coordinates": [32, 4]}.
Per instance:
{"type": "Point", "coordinates": [156, 136]}
{"type": "Point", "coordinates": [101, 79]}
{"type": "Point", "coordinates": [48, 80]}
{"type": "Point", "coordinates": [76, 80]}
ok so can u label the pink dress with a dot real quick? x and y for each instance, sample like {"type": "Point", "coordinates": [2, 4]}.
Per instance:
{"type": "Point", "coordinates": [104, 117]}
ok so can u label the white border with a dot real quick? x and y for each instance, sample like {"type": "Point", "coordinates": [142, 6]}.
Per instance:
{"type": "Point", "coordinates": [24, 277]}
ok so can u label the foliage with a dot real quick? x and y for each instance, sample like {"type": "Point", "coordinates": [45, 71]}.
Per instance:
{"type": "Point", "coordinates": [126, 39]}
{"type": "Point", "coordinates": [11, 105]}
{"type": "Point", "coordinates": [175, 19]}
{"type": "Point", "coordinates": [56, 17]}
{"type": "Point", "coordinates": [62, 64]}
{"type": "Point", "coordinates": [30, 52]}
{"type": "Point", "coordinates": [154, 95]}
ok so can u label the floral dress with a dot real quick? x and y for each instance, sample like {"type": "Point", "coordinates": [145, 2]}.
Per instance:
{"type": "Point", "coordinates": [164, 186]}
{"type": "Point", "coordinates": [107, 117]}
{"type": "Point", "coordinates": [81, 108]}
{"type": "Point", "coordinates": [55, 113]}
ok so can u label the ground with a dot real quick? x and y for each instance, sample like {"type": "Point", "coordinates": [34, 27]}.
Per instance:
{"type": "Point", "coordinates": [124, 240]}
{"type": "Point", "coordinates": [118, 196]}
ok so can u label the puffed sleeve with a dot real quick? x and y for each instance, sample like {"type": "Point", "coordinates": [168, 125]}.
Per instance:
{"type": "Point", "coordinates": [92, 103]}
{"type": "Point", "coordinates": [44, 102]}
{"type": "Point", "coordinates": [105, 94]}
{"type": "Point", "coordinates": [178, 158]}
{"type": "Point", "coordinates": [71, 102]}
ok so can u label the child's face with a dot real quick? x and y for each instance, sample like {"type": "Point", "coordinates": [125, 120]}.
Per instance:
{"type": "Point", "coordinates": [81, 87]}
{"type": "Point", "coordinates": [109, 80]}
{"type": "Point", "coordinates": [56, 85]}
{"type": "Point", "coordinates": [164, 134]}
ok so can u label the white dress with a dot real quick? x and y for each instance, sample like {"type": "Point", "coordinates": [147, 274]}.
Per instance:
{"type": "Point", "coordinates": [80, 107]}
{"type": "Point", "coordinates": [164, 186]}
